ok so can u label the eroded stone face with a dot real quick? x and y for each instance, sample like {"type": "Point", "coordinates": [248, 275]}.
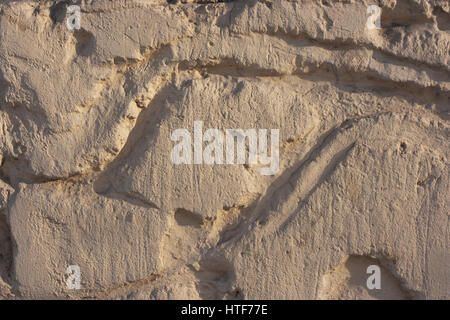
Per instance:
{"type": "Point", "coordinates": [112, 241]}
{"type": "Point", "coordinates": [87, 177]}
{"type": "Point", "coordinates": [243, 103]}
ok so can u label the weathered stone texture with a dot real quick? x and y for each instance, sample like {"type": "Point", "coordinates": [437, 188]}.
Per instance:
{"type": "Point", "coordinates": [86, 176]}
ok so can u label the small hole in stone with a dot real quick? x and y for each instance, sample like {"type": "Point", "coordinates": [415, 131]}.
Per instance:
{"type": "Point", "coordinates": [403, 147]}
{"type": "Point", "coordinates": [58, 11]}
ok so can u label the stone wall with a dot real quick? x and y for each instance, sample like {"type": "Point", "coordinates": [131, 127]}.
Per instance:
{"type": "Point", "coordinates": [87, 177]}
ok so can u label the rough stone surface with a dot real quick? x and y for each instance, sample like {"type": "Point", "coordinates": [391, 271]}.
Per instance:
{"type": "Point", "coordinates": [86, 176]}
